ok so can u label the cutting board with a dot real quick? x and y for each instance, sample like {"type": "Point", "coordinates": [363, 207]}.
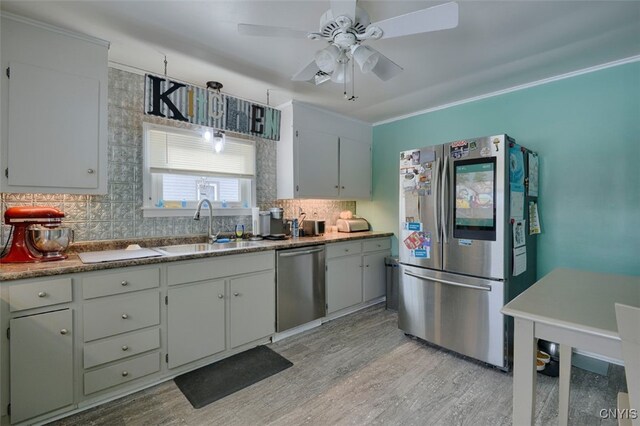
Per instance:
{"type": "Point", "coordinates": [114, 255]}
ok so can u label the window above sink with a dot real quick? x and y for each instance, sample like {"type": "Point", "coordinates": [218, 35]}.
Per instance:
{"type": "Point", "coordinates": [181, 167]}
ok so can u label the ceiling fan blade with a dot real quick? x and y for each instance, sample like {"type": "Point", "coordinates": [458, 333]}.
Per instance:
{"type": "Point", "coordinates": [385, 68]}
{"type": "Point", "coordinates": [344, 8]}
{"type": "Point", "coordinates": [268, 31]}
{"type": "Point", "coordinates": [307, 73]}
{"type": "Point", "coordinates": [442, 17]}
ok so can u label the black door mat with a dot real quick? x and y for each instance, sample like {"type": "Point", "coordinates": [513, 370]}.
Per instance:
{"type": "Point", "coordinates": [215, 381]}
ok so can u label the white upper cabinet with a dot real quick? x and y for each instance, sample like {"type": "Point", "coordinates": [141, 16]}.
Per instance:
{"type": "Point", "coordinates": [323, 155]}
{"type": "Point", "coordinates": [54, 109]}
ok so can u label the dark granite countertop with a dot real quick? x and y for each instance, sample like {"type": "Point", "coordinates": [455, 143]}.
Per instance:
{"type": "Point", "coordinates": [73, 264]}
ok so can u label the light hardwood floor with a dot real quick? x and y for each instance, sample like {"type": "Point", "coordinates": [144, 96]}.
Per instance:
{"type": "Point", "coordinates": [361, 369]}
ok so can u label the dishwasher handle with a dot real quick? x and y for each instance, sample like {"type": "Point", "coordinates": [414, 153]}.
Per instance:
{"type": "Point", "coordinates": [299, 253]}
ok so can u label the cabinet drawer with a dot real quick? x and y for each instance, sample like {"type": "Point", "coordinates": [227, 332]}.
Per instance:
{"type": "Point", "coordinates": [119, 314]}
{"type": "Point", "coordinates": [122, 372]}
{"type": "Point", "coordinates": [218, 267]}
{"type": "Point", "coordinates": [120, 347]}
{"type": "Point", "coordinates": [376, 245]}
{"type": "Point", "coordinates": [120, 282]}
{"type": "Point", "coordinates": [343, 249]}
{"type": "Point", "coordinates": [41, 293]}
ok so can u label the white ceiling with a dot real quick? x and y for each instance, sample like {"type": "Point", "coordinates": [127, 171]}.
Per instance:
{"type": "Point", "coordinates": [497, 45]}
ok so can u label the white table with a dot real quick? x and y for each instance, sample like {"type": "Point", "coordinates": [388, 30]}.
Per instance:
{"type": "Point", "coordinates": [575, 309]}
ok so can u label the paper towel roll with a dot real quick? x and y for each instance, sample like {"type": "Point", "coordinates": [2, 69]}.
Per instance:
{"type": "Point", "coordinates": [255, 221]}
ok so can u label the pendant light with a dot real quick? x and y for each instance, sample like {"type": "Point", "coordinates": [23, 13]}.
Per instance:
{"type": "Point", "coordinates": [218, 141]}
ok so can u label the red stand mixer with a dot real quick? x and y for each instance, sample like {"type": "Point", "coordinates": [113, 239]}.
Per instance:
{"type": "Point", "coordinates": [37, 235]}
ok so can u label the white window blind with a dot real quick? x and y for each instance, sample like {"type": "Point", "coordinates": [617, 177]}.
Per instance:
{"type": "Point", "coordinates": [177, 152]}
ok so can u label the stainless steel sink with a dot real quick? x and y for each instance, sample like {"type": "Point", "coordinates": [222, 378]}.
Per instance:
{"type": "Point", "coordinates": [204, 248]}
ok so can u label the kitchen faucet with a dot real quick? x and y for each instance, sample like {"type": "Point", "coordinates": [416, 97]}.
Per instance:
{"type": "Point", "coordinates": [196, 216]}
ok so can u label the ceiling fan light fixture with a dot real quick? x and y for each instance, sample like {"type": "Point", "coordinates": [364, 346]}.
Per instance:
{"type": "Point", "coordinates": [341, 73]}
{"type": "Point", "coordinates": [326, 58]}
{"type": "Point", "coordinates": [365, 57]}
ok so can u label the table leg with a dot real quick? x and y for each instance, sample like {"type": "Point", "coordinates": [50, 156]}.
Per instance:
{"type": "Point", "coordinates": [524, 372]}
{"type": "Point", "coordinates": [564, 384]}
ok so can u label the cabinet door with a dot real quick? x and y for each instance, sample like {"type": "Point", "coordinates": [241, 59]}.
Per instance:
{"type": "Point", "coordinates": [355, 169]}
{"type": "Point", "coordinates": [53, 129]}
{"type": "Point", "coordinates": [253, 308]}
{"type": "Point", "coordinates": [196, 322]}
{"type": "Point", "coordinates": [344, 282]}
{"type": "Point", "coordinates": [317, 173]}
{"type": "Point", "coordinates": [41, 351]}
{"type": "Point", "coordinates": [374, 275]}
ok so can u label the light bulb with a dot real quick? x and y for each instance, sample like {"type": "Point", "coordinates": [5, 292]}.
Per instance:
{"type": "Point", "coordinates": [218, 141]}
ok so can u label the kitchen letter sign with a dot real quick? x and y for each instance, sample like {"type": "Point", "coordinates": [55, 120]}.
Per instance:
{"type": "Point", "coordinates": [197, 105]}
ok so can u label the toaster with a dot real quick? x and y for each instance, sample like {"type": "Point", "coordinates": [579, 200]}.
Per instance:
{"type": "Point", "coordinates": [313, 227]}
{"type": "Point", "coordinates": [352, 225]}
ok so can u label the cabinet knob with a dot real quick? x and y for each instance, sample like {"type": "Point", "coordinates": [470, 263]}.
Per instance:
{"type": "Point", "coordinates": [343, 187]}
{"type": "Point", "coordinates": [64, 331]}
{"type": "Point", "coordinates": [125, 373]}
{"type": "Point", "coordinates": [125, 348]}
{"type": "Point", "coordinates": [236, 294]}
{"type": "Point", "coordinates": [42, 294]}
{"type": "Point", "coordinates": [367, 266]}
{"type": "Point", "coordinates": [337, 187]}
{"type": "Point", "coordinates": [125, 316]}
{"type": "Point", "coordinates": [346, 249]}
{"type": "Point", "coordinates": [124, 283]}
{"type": "Point", "coordinates": [220, 296]}
{"type": "Point", "coordinates": [90, 171]}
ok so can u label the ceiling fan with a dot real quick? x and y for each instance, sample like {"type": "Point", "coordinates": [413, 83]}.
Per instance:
{"type": "Point", "coordinates": [345, 27]}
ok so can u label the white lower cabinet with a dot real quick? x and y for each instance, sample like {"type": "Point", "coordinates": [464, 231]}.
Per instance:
{"type": "Point", "coordinates": [344, 282]}
{"type": "Point", "coordinates": [374, 275]}
{"type": "Point", "coordinates": [252, 307]}
{"type": "Point", "coordinates": [219, 305]}
{"type": "Point", "coordinates": [41, 351]}
{"type": "Point", "coordinates": [195, 321]}
{"type": "Point", "coordinates": [355, 272]}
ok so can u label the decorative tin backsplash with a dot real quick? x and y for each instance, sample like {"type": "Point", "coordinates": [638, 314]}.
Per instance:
{"type": "Point", "coordinates": [118, 214]}
{"type": "Point", "coordinates": [327, 210]}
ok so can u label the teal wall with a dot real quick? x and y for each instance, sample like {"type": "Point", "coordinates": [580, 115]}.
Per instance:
{"type": "Point", "coordinates": [586, 130]}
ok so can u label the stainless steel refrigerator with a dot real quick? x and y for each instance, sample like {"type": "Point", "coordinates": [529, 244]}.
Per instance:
{"type": "Point", "coordinates": [456, 245]}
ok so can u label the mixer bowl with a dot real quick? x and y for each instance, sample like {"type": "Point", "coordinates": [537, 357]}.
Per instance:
{"type": "Point", "coordinates": [51, 242]}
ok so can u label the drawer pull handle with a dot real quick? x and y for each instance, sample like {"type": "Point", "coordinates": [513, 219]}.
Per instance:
{"type": "Point", "coordinates": [125, 316]}
{"type": "Point", "coordinates": [220, 296]}
{"type": "Point", "coordinates": [64, 331]}
{"type": "Point", "coordinates": [42, 294]}
{"type": "Point", "coordinates": [125, 348]}
{"type": "Point", "coordinates": [236, 294]}
{"type": "Point", "coordinates": [124, 283]}
{"type": "Point", "coordinates": [125, 373]}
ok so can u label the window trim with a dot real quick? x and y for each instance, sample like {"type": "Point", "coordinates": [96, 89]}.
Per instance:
{"type": "Point", "coordinates": [149, 187]}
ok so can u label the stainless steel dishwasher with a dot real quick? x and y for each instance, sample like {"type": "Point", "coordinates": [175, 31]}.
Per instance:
{"type": "Point", "coordinates": [300, 293]}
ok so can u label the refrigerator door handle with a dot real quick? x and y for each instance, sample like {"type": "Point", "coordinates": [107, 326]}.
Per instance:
{"type": "Point", "coordinates": [441, 281]}
{"type": "Point", "coordinates": [444, 199]}
{"type": "Point", "coordinates": [435, 197]}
